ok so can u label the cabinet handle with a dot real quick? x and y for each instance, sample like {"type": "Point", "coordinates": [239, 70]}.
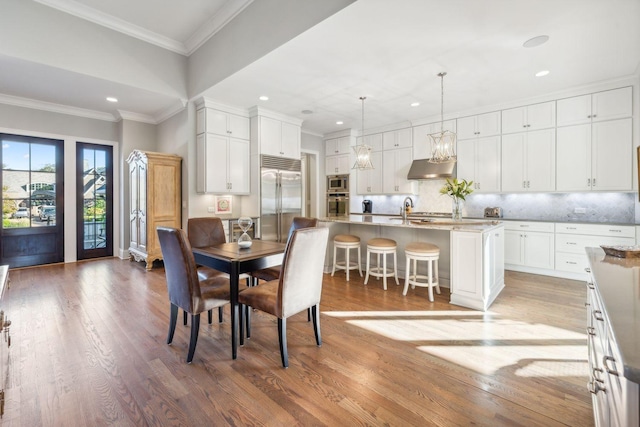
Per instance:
{"type": "Point", "coordinates": [616, 231]}
{"type": "Point", "coordinates": [609, 370]}
{"type": "Point", "coordinates": [590, 285]}
{"type": "Point", "coordinates": [594, 116]}
{"type": "Point", "coordinates": [528, 184]}
{"type": "Point", "coordinates": [571, 228]}
{"type": "Point", "coordinates": [587, 270]}
{"type": "Point", "coordinates": [524, 185]}
{"type": "Point", "coordinates": [594, 182]}
{"type": "Point", "coordinates": [595, 387]}
{"type": "Point", "coordinates": [597, 372]}
{"type": "Point", "coordinates": [571, 262]}
{"type": "Point", "coordinates": [571, 243]}
{"type": "Point", "coordinates": [523, 225]}
{"type": "Point", "coordinates": [588, 182]}
{"type": "Point", "coordinates": [589, 116]}
{"type": "Point", "coordinates": [597, 314]}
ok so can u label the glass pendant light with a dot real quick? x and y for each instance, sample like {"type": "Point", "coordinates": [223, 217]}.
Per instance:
{"type": "Point", "coordinates": [443, 143]}
{"type": "Point", "coordinates": [363, 151]}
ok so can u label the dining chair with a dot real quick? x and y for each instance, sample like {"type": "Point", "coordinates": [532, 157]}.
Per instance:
{"type": "Point", "coordinates": [186, 290]}
{"type": "Point", "coordinates": [298, 288]}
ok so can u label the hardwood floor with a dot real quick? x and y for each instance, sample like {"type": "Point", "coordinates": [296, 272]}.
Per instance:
{"type": "Point", "coordinates": [89, 348]}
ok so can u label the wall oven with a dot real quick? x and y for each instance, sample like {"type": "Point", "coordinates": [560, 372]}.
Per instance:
{"type": "Point", "coordinates": [338, 184]}
{"type": "Point", "coordinates": [337, 204]}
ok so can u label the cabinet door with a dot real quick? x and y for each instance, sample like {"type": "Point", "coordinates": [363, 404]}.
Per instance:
{"type": "Point", "coordinates": [538, 250]}
{"type": "Point", "coordinates": [541, 116]}
{"type": "Point", "coordinates": [404, 158]}
{"type": "Point", "coordinates": [467, 127]}
{"type": "Point", "coordinates": [376, 172]}
{"type": "Point", "coordinates": [331, 147]}
{"type": "Point", "coordinates": [374, 141]}
{"type": "Point", "coordinates": [238, 127]}
{"type": "Point", "coordinates": [397, 139]}
{"type": "Point", "coordinates": [611, 163]}
{"type": "Point", "coordinates": [238, 166]}
{"type": "Point", "coordinates": [487, 164]}
{"type": "Point", "coordinates": [420, 137]}
{"type": "Point", "coordinates": [290, 141]}
{"type": "Point", "coordinates": [513, 153]}
{"type": "Point", "coordinates": [337, 165]}
{"type": "Point", "coordinates": [270, 136]}
{"type": "Point", "coordinates": [216, 122]}
{"type": "Point", "coordinates": [574, 111]}
{"type": "Point", "coordinates": [513, 247]}
{"type": "Point", "coordinates": [344, 164]}
{"type": "Point", "coordinates": [488, 124]}
{"type": "Point", "coordinates": [540, 160]}
{"type": "Point", "coordinates": [331, 165]}
{"type": "Point", "coordinates": [514, 120]}
{"type": "Point", "coordinates": [466, 167]}
{"type": "Point", "coordinates": [343, 145]}
{"type": "Point", "coordinates": [573, 167]}
{"type": "Point", "coordinates": [612, 104]}
{"type": "Point", "coordinates": [212, 154]}
{"type": "Point", "coordinates": [395, 167]}
{"type": "Point", "coordinates": [389, 184]}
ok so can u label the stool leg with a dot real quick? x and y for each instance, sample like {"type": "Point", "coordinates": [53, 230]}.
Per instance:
{"type": "Point", "coordinates": [430, 276]}
{"type": "Point", "coordinates": [378, 267]}
{"type": "Point", "coordinates": [415, 273]}
{"type": "Point", "coordinates": [334, 260]}
{"type": "Point", "coordinates": [395, 266]}
{"type": "Point", "coordinates": [384, 274]}
{"type": "Point", "coordinates": [436, 276]}
{"type": "Point", "coordinates": [366, 278]}
{"type": "Point", "coordinates": [347, 263]}
{"type": "Point", "coordinates": [359, 264]}
{"type": "Point", "coordinates": [406, 276]}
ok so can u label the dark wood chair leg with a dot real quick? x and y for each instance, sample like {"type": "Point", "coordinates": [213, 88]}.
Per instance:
{"type": "Point", "coordinates": [248, 320]}
{"type": "Point", "coordinates": [241, 321]}
{"type": "Point", "coordinates": [195, 327]}
{"type": "Point", "coordinates": [220, 311]}
{"type": "Point", "coordinates": [282, 337]}
{"type": "Point", "coordinates": [316, 324]}
{"type": "Point", "coordinates": [309, 314]}
{"type": "Point", "coordinates": [173, 318]}
{"type": "Point", "coordinates": [210, 316]}
{"type": "Point", "coordinates": [184, 318]}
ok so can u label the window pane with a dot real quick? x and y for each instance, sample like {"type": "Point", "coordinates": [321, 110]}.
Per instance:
{"type": "Point", "coordinates": [88, 160]}
{"type": "Point", "coordinates": [43, 158]}
{"type": "Point", "coordinates": [15, 155]}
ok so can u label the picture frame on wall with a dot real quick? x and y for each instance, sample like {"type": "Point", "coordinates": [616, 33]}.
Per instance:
{"type": "Point", "coordinates": [223, 204]}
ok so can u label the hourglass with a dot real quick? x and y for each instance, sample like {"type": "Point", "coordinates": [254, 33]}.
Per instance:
{"type": "Point", "coordinates": [245, 223]}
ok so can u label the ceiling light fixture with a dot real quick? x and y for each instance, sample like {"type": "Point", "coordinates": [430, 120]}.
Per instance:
{"type": "Point", "coordinates": [536, 41]}
{"type": "Point", "coordinates": [264, 98]}
{"type": "Point", "coordinates": [415, 104]}
{"type": "Point", "coordinates": [542, 73]}
{"type": "Point", "coordinates": [339, 122]}
{"type": "Point", "coordinates": [112, 99]}
{"type": "Point", "coordinates": [363, 151]}
{"type": "Point", "coordinates": [442, 143]}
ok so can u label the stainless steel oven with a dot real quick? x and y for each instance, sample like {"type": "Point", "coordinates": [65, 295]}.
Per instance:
{"type": "Point", "coordinates": [337, 204]}
{"type": "Point", "coordinates": [338, 184]}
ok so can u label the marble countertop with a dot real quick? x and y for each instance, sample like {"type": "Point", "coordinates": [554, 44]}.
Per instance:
{"type": "Point", "coordinates": [475, 225]}
{"type": "Point", "coordinates": [618, 284]}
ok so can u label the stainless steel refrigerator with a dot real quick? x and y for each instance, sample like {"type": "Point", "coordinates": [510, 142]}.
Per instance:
{"type": "Point", "coordinates": [280, 196]}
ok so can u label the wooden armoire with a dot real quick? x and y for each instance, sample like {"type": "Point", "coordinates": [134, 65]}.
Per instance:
{"type": "Point", "coordinates": [155, 200]}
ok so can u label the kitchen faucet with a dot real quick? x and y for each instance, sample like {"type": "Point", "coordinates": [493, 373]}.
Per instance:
{"type": "Point", "coordinates": [405, 204]}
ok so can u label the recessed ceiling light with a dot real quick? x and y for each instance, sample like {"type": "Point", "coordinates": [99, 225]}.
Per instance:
{"type": "Point", "coordinates": [542, 73]}
{"type": "Point", "coordinates": [264, 98]}
{"type": "Point", "coordinates": [415, 104]}
{"type": "Point", "coordinates": [307, 112]}
{"type": "Point", "coordinates": [339, 122]}
{"type": "Point", "coordinates": [112, 99]}
{"type": "Point", "coordinates": [536, 41]}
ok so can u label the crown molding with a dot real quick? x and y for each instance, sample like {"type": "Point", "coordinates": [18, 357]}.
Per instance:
{"type": "Point", "coordinates": [204, 102]}
{"type": "Point", "coordinates": [136, 117]}
{"type": "Point", "coordinates": [56, 108]}
{"type": "Point", "coordinates": [171, 111]}
{"type": "Point", "coordinates": [261, 111]}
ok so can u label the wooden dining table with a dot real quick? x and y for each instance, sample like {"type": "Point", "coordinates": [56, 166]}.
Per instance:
{"type": "Point", "coordinates": [231, 259]}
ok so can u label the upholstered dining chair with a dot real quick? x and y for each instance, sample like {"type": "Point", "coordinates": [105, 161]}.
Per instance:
{"type": "Point", "coordinates": [186, 290]}
{"type": "Point", "coordinates": [298, 288]}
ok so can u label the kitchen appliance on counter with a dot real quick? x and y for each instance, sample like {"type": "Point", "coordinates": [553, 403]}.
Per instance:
{"type": "Point", "coordinates": [493, 212]}
{"type": "Point", "coordinates": [337, 204]}
{"type": "Point", "coordinates": [367, 206]}
{"type": "Point", "coordinates": [280, 196]}
{"type": "Point", "coordinates": [338, 184]}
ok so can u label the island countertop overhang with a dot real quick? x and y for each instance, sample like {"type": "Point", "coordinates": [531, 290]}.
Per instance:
{"type": "Point", "coordinates": [470, 225]}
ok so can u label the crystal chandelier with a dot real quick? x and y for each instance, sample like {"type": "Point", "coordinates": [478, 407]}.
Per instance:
{"type": "Point", "coordinates": [443, 143]}
{"type": "Point", "coordinates": [363, 151]}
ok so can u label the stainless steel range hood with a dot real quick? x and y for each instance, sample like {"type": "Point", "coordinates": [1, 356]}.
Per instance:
{"type": "Point", "coordinates": [421, 169]}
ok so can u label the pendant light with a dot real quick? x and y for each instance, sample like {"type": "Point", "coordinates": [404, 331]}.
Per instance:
{"type": "Point", "coordinates": [443, 143]}
{"type": "Point", "coordinates": [363, 151]}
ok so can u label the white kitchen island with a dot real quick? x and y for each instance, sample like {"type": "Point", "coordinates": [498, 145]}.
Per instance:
{"type": "Point", "coordinates": [471, 251]}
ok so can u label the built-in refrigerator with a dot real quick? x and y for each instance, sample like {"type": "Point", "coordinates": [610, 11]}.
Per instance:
{"type": "Point", "coordinates": [280, 196]}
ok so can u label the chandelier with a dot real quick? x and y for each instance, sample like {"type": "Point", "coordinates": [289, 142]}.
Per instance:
{"type": "Point", "coordinates": [363, 151]}
{"type": "Point", "coordinates": [443, 143]}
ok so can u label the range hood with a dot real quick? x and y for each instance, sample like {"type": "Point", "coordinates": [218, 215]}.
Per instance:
{"type": "Point", "coordinates": [423, 169]}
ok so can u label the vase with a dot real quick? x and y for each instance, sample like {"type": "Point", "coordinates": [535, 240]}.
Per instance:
{"type": "Point", "coordinates": [456, 208]}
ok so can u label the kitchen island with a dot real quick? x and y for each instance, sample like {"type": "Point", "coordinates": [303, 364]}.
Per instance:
{"type": "Point", "coordinates": [471, 251]}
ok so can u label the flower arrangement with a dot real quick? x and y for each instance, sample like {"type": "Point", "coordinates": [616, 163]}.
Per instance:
{"type": "Point", "coordinates": [457, 189]}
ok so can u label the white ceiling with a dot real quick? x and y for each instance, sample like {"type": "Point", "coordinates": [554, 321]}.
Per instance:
{"type": "Point", "coordinates": [387, 51]}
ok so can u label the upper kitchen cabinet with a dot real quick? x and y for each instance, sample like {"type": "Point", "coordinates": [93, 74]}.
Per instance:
{"type": "Point", "coordinates": [337, 156]}
{"type": "Point", "coordinates": [395, 167]}
{"type": "Point", "coordinates": [374, 141]}
{"type": "Point", "coordinates": [529, 118]}
{"type": "Point", "coordinates": [275, 134]}
{"type": "Point", "coordinates": [421, 142]}
{"type": "Point", "coordinates": [397, 139]}
{"type": "Point", "coordinates": [209, 120]}
{"type": "Point", "coordinates": [222, 165]}
{"type": "Point", "coordinates": [595, 156]}
{"type": "Point", "coordinates": [337, 146]}
{"type": "Point", "coordinates": [479, 126]}
{"type": "Point", "coordinates": [528, 161]}
{"type": "Point", "coordinates": [600, 106]}
{"type": "Point", "coordinates": [479, 161]}
{"type": "Point", "coordinates": [369, 181]}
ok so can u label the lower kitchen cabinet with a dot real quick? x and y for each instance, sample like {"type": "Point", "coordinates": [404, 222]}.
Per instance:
{"type": "Point", "coordinates": [529, 244]}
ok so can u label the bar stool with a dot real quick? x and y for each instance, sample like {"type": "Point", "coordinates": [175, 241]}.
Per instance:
{"type": "Point", "coordinates": [346, 242]}
{"type": "Point", "coordinates": [384, 247]}
{"type": "Point", "coordinates": [419, 251]}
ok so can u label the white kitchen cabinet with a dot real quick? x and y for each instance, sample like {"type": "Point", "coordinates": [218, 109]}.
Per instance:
{"type": "Point", "coordinates": [395, 166]}
{"type": "Point", "coordinates": [401, 138]}
{"type": "Point", "coordinates": [479, 161]}
{"type": "Point", "coordinates": [278, 138]}
{"type": "Point", "coordinates": [595, 156]}
{"type": "Point", "coordinates": [370, 181]}
{"type": "Point", "coordinates": [222, 165]}
{"type": "Point", "coordinates": [528, 161]}
{"type": "Point", "coordinates": [374, 141]}
{"type": "Point", "coordinates": [337, 146]}
{"type": "Point", "coordinates": [421, 142]}
{"type": "Point", "coordinates": [529, 118]}
{"type": "Point", "coordinates": [337, 165]}
{"type": "Point", "coordinates": [529, 244]}
{"type": "Point", "coordinates": [209, 120]}
{"type": "Point", "coordinates": [600, 106]}
{"type": "Point", "coordinates": [479, 126]}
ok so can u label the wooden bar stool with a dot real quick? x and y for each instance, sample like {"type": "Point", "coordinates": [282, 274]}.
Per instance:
{"type": "Point", "coordinates": [346, 242]}
{"type": "Point", "coordinates": [381, 246]}
{"type": "Point", "coordinates": [419, 251]}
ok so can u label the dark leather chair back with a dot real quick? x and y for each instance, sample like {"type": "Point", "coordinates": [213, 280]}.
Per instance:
{"type": "Point", "coordinates": [206, 231]}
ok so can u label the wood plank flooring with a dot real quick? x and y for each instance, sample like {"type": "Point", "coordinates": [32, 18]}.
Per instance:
{"type": "Point", "coordinates": [89, 349]}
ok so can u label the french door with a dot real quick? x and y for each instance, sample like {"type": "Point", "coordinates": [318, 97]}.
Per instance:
{"type": "Point", "coordinates": [32, 230]}
{"type": "Point", "coordinates": [94, 203]}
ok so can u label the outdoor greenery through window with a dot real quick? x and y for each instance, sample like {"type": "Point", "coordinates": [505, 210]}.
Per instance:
{"type": "Point", "coordinates": [28, 184]}
{"type": "Point", "coordinates": [95, 204]}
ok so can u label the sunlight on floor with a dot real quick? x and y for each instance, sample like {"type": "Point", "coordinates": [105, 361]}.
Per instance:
{"type": "Point", "coordinates": [483, 342]}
